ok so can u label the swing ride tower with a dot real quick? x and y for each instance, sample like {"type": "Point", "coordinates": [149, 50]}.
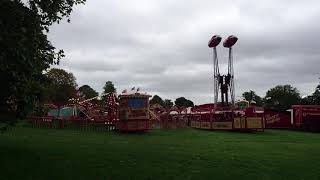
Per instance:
{"type": "Point", "coordinates": [223, 83]}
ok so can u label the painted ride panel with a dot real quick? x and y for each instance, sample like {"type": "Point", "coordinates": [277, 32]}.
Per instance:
{"type": "Point", "coordinates": [228, 120]}
{"type": "Point", "coordinates": [277, 120]}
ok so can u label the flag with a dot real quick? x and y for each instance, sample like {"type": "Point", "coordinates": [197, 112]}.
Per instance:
{"type": "Point", "coordinates": [133, 89]}
{"type": "Point", "coordinates": [138, 89]}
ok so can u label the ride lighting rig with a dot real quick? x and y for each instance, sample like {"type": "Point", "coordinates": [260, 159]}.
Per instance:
{"type": "Point", "coordinates": [223, 82]}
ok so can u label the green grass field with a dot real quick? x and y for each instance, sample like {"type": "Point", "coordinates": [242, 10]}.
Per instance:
{"type": "Point", "coordinates": [30, 153]}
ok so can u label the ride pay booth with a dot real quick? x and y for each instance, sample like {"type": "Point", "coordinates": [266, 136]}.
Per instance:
{"type": "Point", "coordinates": [133, 113]}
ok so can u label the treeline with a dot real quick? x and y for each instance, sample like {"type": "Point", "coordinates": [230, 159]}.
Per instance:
{"type": "Point", "coordinates": [180, 102]}
{"type": "Point", "coordinates": [62, 86]}
{"type": "Point", "coordinates": [282, 97]}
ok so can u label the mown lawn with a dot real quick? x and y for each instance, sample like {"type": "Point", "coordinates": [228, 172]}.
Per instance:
{"type": "Point", "coordinates": [30, 153]}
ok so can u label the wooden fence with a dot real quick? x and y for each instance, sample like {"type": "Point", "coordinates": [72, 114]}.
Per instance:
{"type": "Point", "coordinates": [96, 124]}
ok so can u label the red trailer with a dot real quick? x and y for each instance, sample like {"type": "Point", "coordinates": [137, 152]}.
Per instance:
{"type": "Point", "coordinates": [306, 117]}
{"type": "Point", "coordinates": [277, 120]}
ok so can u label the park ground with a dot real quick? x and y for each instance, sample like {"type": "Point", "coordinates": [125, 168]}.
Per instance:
{"type": "Point", "coordinates": [31, 153]}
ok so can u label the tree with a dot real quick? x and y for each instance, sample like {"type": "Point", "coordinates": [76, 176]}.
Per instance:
{"type": "Point", "coordinates": [183, 102]}
{"type": "Point", "coordinates": [168, 103]}
{"type": "Point", "coordinates": [61, 87]}
{"type": "Point", "coordinates": [252, 96]}
{"type": "Point", "coordinates": [109, 87]}
{"type": "Point", "coordinates": [308, 100]}
{"type": "Point", "coordinates": [281, 97]}
{"type": "Point", "coordinates": [190, 103]}
{"type": "Point", "coordinates": [156, 100]}
{"type": "Point", "coordinates": [26, 52]}
{"type": "Point", "coordinates": [313, 99]}
{"type": "Point", "coordinates": [88, 92]}
{"type": "Point", "coordinates": [316, 95]}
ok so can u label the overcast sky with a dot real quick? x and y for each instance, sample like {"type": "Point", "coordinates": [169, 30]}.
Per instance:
{"type": "Point", "coordinates": [161, 46]}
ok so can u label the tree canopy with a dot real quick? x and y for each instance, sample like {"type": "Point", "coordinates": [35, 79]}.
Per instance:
{"type": "Point", "coordinates": [282, 97]}
{"type": "Point", "coordinates": [61, 87]}
{"type": "Point", "coordinates": [168, 103]}
{"type": "Point", "coordinates": [316, 95]}
{"type": "Point", "coordinates": [182, 102]}
{"type": "Point", "coordinates": [26, 51]}
{"type": "Point", "coordinates": [314, 98]}
{"type": "Point", "coordinates": [52, 11]}
{"type": "Point", "coordinates": [109, 87]}
{"type": "Point", "coordinates": [87, 92]}
{"type": "Point", "coordinates": [252, 96]}
{"type": "Point", "coordinates": [156, 100]}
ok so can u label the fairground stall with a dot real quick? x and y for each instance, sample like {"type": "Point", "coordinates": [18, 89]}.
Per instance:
{"type": "Point", "coordinates": [133, 112]}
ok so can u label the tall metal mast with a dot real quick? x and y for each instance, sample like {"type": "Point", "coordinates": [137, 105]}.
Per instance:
{"type": "Point", "coordinates": [216, 75]}
{"type": "Point", "coordinates": [213, 43]}
{"type": "Point", "coordinates": [228, 43]}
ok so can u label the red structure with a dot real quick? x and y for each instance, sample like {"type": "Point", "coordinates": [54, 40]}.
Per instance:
{"type": "Point", "coordinates": [81, 115]}
{"type": "Point", "coordinates": [224, 115]}
{"type": "Point", "coordinates": [306, 117]}
{"type": "Point", "coordinates": [303, 117]}
{"type": "Point", "coordinates": [214, 41]}
{"type": "Point", "coordinates": [223, 83]}
{"type": "Point", "coordinates": [226, 118]}
{"type": "Point", "coordinates": [230, 41]}
{"type": "Point", "coordinates": [133, 113]}
{"type": "Point", "coordinates": [277, 120]}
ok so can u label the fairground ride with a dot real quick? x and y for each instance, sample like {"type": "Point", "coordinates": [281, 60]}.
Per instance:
{"type": "Point", "coordinates": [225, 115]}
